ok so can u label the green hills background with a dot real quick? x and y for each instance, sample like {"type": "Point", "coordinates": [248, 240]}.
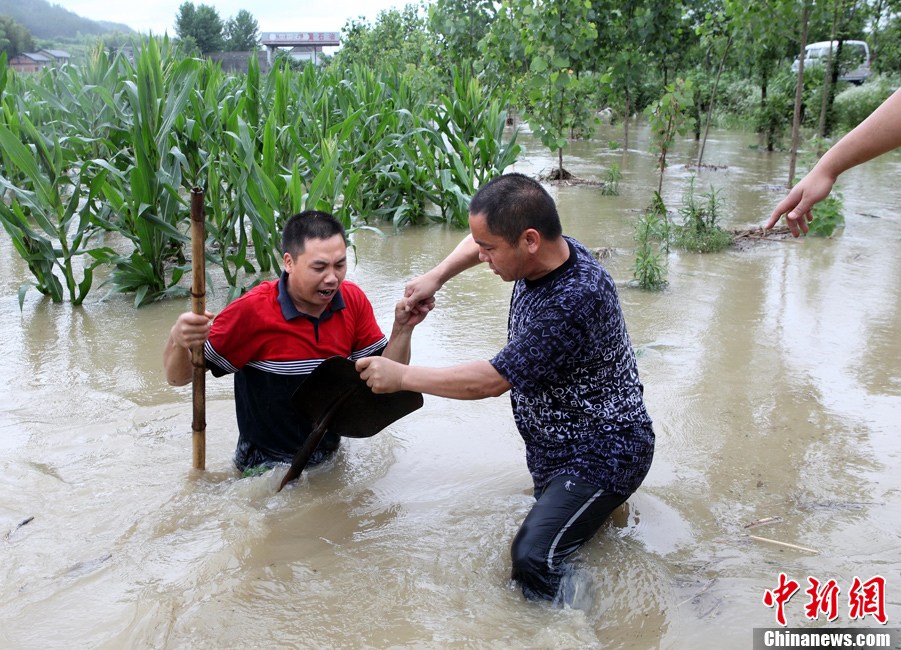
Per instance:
{"type": "Point", "coordinates": [49, 21]}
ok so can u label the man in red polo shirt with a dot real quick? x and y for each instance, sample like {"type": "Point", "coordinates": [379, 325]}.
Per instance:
{"type": "Point", "coordinates": [275, 335]}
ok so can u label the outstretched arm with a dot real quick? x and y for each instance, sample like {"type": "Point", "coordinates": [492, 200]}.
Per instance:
{"type": "Point", "coordinates": [876, 135]}
{"type": "Point", "coordinates": [405, 319]}
{"type": "Point", "coordinates": [473, 380]}
{"type": "Point", "coordinates": [424, 287]}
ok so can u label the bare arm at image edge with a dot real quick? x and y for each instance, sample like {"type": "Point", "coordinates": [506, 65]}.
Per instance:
{"type": "Point", "coordinates": [876, 135]}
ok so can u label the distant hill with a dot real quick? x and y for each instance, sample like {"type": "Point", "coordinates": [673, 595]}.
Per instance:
{"type": "Point", "coordinates": [45, 20]}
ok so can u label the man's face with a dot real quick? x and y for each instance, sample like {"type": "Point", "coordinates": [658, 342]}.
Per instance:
{"type": "Point", "coordinates": [505, 259]}
{"type": "Point", "coordinates": [315, 274]}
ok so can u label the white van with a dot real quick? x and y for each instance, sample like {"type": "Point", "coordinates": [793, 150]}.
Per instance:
{"type": "Point", "coordinates": [855, 64]}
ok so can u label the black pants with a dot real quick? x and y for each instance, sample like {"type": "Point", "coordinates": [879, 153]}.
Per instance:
{"type": "Point", "coordinates": [568, 512]}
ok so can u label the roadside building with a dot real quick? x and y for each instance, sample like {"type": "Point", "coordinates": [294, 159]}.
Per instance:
{"type": "Point", "coordinates": [29, 62]}
{"type": "Point", "coordinates": [59, 57]}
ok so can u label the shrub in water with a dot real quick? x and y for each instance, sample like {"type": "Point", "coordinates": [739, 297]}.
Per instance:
{"type": "Point", "coordinates": [827, 216]}
{"type": "Point", "coordinates": [699, 231]}
{"type": "Point", "coordinates": [854, 104]}
{"type": "Point", "coordinates": [652, 235]}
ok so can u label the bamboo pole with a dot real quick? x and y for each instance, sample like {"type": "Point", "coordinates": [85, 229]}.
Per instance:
{"type": "Point", "coordinates": [785, 544]}
{"type": "Point", "coordinates": [198, 306]}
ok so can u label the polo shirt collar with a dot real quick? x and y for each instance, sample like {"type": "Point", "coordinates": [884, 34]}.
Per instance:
{"type": "Point", "coordinates": [290, 312]}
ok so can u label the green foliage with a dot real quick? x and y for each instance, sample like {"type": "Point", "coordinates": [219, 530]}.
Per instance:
{"type": "Point", "coordinates": [611, 181]}
{"type": "Point", "coordinates": [241, 32]}
{"type": "Point", "coordinates": [652, 235]}
{"type": "Point", "coordinates": [737, 100]}
{"type": "Point", "coordinates": [141, 191]}
{"type": "Point", "coordinates": [886, 41]}
{"type": "Point", "coordinates": [398, 39]}
{"type": "Point", "coordinates": [502, 51]}
{"type": "Point", "coordinates": [854, 104]}
{"type": "Point", "coordinates": [49, 20]}
{"type": "Point", "coordinates": [14, 38]}
{"type": "Point", "coordinates": [828, 215]}
{"type": "Point", "coordinates": [201, 24]}
{"type": "Point", "coordinates": [470, 127]}
{"type": "Point", "coordinates": [557, 39]}
{"type": "Point", "coordinates": [667, 118]}
{"type": "Point", "coordinates": [48, 227]}
{"type": "Point", "coordinates": [774, 116]}
{"type": "Point", "coordinates": [699, 231]}
{"type": "Point", "coordinates": [109, 151]}
{"type": "Point", "coordinates": [459, 26]}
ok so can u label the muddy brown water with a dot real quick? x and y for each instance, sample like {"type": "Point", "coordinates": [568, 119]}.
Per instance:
{"type": "Point", "coordinates": [772, 375]}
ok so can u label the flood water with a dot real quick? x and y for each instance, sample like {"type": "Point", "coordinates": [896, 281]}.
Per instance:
{"type": "Point", "coordinates": [772, 375]}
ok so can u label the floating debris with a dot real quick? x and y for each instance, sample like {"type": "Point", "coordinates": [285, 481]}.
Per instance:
{"type": "Point", "coordinates": [785, 544]}
{"type": "Point", "coordinates": [766, 521]}
{"type": "Point", "coordinates": [21, 523]}
{"type": "Point", "coordinates": [603, 252]}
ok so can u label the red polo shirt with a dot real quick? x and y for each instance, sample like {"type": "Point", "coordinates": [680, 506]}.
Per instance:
{"type": "Point", "coordinates": [271, 348]}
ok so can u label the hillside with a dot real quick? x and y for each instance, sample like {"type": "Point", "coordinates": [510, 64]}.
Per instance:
{"type": "Point", "coordinates": [45, 20]}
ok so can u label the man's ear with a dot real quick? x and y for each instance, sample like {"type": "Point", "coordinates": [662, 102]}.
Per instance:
{"type": "Point", "coordinates": [288, 261]}
{"type": "Point", "coordinates": [532, 239]}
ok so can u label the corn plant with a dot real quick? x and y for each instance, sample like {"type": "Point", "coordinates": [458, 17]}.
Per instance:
{"type": "Point", "coordinates": [469, 132]}
{"type": "Point", "coordinates": [144, 197]}
{"type": "Point", "coordinates": [127, 142]}
{"type": "Point", "coordinates": [47, 227]}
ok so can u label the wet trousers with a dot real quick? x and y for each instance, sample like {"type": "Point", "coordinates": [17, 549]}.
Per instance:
{"type": "Point", "coordinates": [567, 513]}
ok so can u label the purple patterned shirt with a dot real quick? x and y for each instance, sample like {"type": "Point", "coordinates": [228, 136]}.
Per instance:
{"type": "Point", "coordinates": [577, 399]}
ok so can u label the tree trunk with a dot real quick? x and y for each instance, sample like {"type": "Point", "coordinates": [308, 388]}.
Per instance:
{"type": "Point", "coordinates": [799, 92]}
{"type": "Point", "coordinates": [626, 112]}
{"type": "Point", "coordinates": [762, 134]}
{"type": "Point", "coordinates": [828, 79]}
{"type": "Point", "coordinates": [560, 150]}
{"type": "Point", "coordinates": [716, 82]}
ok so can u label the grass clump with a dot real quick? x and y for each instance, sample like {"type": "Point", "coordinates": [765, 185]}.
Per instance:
{"type": "Point", "coordinates": [652, 234]}
{"type": "Point", "coordinates": [611, 181]}
{"type": "Point", "coordinates": [699, 232]}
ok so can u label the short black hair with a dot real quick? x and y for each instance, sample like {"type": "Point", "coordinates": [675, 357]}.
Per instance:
{"type": "Point", "coordinates": [512, 203]}
{"type": "Point", "coordinates": [309, 224]}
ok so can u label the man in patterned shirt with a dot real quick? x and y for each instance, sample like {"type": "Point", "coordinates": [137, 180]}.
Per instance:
{"type": "Point", "coordinates": [568, 364]}
{"type": "Point", "coordinates": [275, 335]}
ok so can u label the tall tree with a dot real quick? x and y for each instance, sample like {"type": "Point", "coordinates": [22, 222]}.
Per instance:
{"type": "Point", "coordinates": [459, 26]}
{"type": "Point", "coordinates": [766, 32]}
{"type": "Point", "coordinates": [885, 30]}
{"type": "Point", "coordinates": [398, 38]}
{"type": "Point", "coordinates": [241, 32]}
{"type": "Point", "coordinates": [200, 24]}
{"type": "Point", "coordinates": [799, 87]}
{"type": "Point", "coordinates": [620, 49]}
{"type": "Point", "coordinates": [558, 37]}
{"type": "Point", "coordinates": [14, 38]}
{"type": "Point", "coordinates": [717, 30]}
